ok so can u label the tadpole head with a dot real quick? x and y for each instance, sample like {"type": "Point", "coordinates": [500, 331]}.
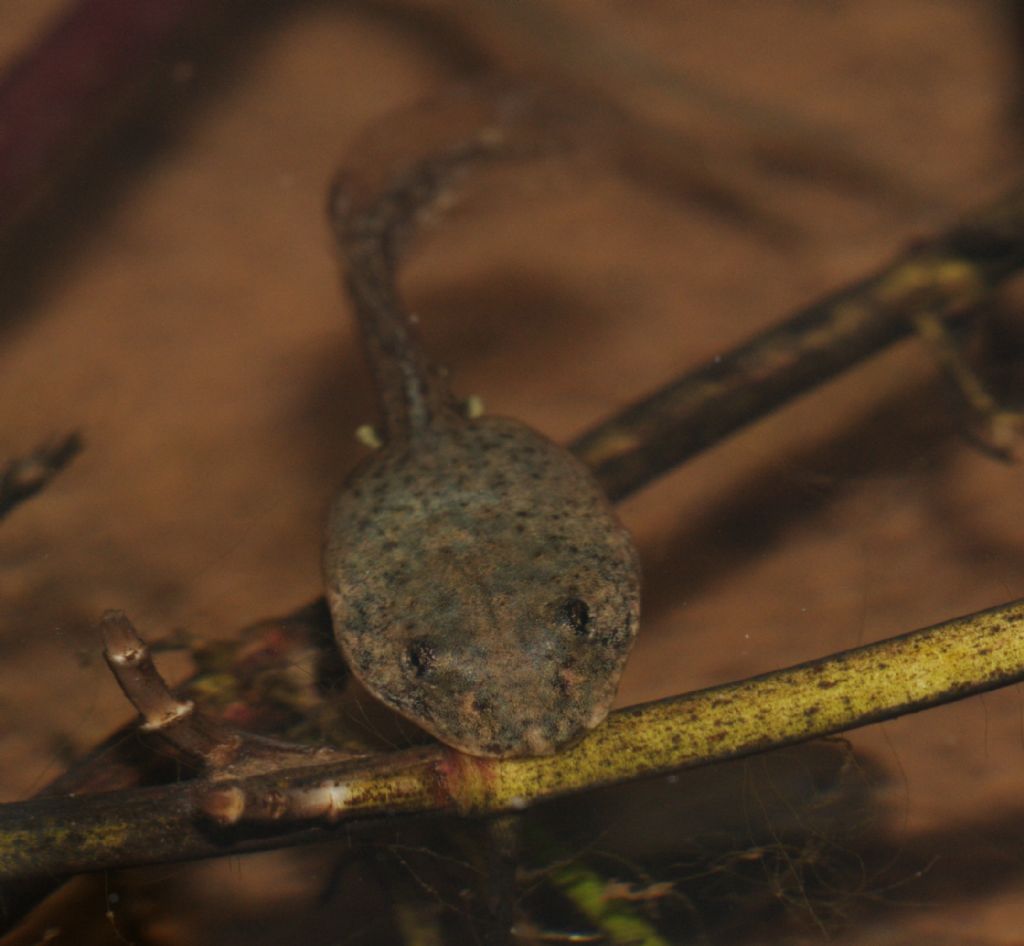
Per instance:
{"type": "Point", "coordinates": [506, 659]}
{"type": "Point", "coordinates": [481, 586]}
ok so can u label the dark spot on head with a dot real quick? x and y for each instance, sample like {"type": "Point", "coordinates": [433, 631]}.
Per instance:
{"type": "Point", "coordinates": [421, 655]}
{"type": "Point", "coordinates": [576, 614]}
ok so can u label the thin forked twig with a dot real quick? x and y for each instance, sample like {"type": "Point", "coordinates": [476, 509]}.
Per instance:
{"type": "Point", "coordinates": [220, 748]}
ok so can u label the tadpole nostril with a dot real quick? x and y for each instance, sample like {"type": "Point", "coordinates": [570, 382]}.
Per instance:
{"type": "Point", "coordinates": [576, 614]}
{"type": "Point", "coordinates": [421, 656]}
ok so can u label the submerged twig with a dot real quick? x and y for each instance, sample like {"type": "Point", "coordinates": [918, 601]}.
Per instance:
{"type": "Point", "coordinates": [249, 671]}
{"type": "Point", "coordinates": [901, 675]}
{"type": "Point", "coordinates": [945, 276]}
{"type": "Point", "coordinates": [25, 476]}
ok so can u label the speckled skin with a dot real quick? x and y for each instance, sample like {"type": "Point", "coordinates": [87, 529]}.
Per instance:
{"type": "Point", "coordinates": [478, 580]}
{"type": "Point", "coordinates": [481, 585]}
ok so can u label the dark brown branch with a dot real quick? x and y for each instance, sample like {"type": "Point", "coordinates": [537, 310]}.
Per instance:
{"type": "Point", "coordinates": [946, 275]}
{"type": "Point", "coordinates": [22, 478]}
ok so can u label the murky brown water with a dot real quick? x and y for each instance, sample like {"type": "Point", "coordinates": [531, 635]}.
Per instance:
{"type": "Point", "coordinates": [193, 331]}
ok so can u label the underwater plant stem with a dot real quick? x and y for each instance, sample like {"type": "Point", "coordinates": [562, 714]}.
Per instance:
{"type": "Point", "coordinates": [854, 688]}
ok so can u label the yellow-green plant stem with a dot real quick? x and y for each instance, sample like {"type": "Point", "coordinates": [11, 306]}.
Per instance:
{"type": "Point", "coordinates": [893, 677]}
{"type": "Point", "coordinates": [901, 675]}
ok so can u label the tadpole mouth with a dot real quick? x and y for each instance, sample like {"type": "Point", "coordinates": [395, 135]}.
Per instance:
{"type": "Point", "coordinates": [485, 731]}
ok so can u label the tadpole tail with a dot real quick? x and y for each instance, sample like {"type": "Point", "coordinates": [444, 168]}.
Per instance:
{"type": "Point", "coordinates": [399, 173]}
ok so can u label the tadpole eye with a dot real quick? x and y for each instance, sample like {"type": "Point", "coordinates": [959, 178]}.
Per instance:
{"type": "Point", "coordinates": [576, 614]}
{"type": "Point", "coordinates": [421, 655]}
